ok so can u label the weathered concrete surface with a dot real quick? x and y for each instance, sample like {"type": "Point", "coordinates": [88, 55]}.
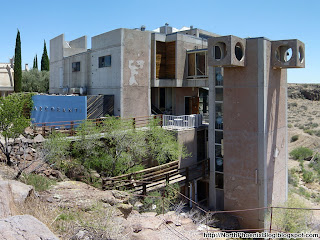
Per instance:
{"type": "Point", "coordinates": [24, 227]}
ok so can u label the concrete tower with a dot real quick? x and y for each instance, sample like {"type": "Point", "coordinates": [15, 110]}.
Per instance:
{"type": "Point", "coordinates": [248, 123]}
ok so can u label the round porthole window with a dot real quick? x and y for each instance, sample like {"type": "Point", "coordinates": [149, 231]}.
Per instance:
{"type": "Point", "coordinates": [219, 51]}
{"type": "Point", "coordinates": [283, 53]}
{"type": "Point", "coordinates": [238, 51]}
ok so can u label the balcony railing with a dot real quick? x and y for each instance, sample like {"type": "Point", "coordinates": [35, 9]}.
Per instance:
{"type": "Point", "coordinates": [182, 121]}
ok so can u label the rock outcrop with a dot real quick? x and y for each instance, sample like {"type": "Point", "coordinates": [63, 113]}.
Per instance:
{"type": "Point", "coordinates": [24, 227]}
{"type": "Point", "coordinates": [12, 194]}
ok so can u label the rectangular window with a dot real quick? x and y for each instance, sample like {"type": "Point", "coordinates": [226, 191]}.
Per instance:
{"type": "Point", "coordinates": [105, 61]}
{"type": "Point", "coordinates": [75, 66]}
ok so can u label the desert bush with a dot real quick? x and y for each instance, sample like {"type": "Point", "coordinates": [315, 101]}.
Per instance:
{"type": "Point", "coordinates": [307, 176]}
{"type": "Point", "coordinates": [289, 125]}
{"type": "Point", "coordinates": [161, 201]}
{"type": "Point", "coordinates": [293, 178]}
{"type": "Point", "coordinates": [301, 153]}
{"type": "Point", "coordinates": [40, 183]}
{"type": "Point", "coordinates": [309, 131]}
{"type": "Point", "coordinates": [314, 125]}
{"type": "Point", "coordinates": [292, 220]}
{"type": "Point", "coordinates": [121, 149]}
{"type": "Point", "coordinates": [305, 108]}
{"type": "Point", "coordinates": [294, 138]}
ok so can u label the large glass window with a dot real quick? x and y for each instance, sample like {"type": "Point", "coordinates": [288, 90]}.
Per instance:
{"type": "Point", "coordinates": [219, 116]}
{"type": "Point", "coordinates": [105, 61]}
{"type": "Point", "coordinates": [219, 94]}
{"type": "Point", "coordinates": [197, 64]}
{"type": "Point", "coordinates": [219, 137]}
{"type": "Point", "coordinates": [75, 66]}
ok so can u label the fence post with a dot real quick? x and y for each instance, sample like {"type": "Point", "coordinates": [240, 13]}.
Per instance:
{"type": "Point", "coordinates": [270, 219]}
{"type": "Point", "coordinates": [167, 179]}
{"type": "Point", "coordinates": [134, 123]}
{"type": "Point", "coordinates": [187, 175]}
{"type": "Point", "coordinates": [144, 189]}
{"type": "Point", "coordinates": [71, 128]}
{"type": "Point", "coordinates": [161, 120]}
{"type": "Point", "coordinates": [43, 129]}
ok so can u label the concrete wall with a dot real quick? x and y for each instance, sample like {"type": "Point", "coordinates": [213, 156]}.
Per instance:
{"type": "Point", "coordinates": [255, 140]}
{"type": "Point", "coordinates": [77, 79]}
{"type": "Point", "coordinates": [189, 139]}
{"type": "Point", "coordinates": [179, 101]}
{"type": "Point", "coordinates": [56, 64]}
{"type": "Point", "coordinates": [60, 71]}
{"type": "Point", "coordinates": [107, 80]}
{"type": "Point", "coordinates": [136, 92]}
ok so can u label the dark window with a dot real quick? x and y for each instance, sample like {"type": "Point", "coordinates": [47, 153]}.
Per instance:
{"type": "Point", "coordinates": [75, 66]}
{"type": "Point", "coordinates": [105, 61]}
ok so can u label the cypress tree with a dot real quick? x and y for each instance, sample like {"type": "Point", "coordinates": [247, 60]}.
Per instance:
{"type": "Point", "coordinates": [45, 59]}
{"type": "Point", "coordinates": [17, 65]}
{"type": "Point", "coordinates": [35, 62]}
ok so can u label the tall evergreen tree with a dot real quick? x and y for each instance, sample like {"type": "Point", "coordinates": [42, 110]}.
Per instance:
{"type": "Point", "coordinates": [35, 62]}
{"type": "Point", "coordinates": [45, 59]}
{"type": "Point", "coordinates": [17, 65]}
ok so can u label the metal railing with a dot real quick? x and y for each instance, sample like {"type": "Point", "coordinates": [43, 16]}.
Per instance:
{"type": "Point", "coordinates": [182, 121]}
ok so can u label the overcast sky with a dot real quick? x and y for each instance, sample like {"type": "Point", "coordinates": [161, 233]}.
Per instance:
{"type": "Point", "coordinates": [273, 19]}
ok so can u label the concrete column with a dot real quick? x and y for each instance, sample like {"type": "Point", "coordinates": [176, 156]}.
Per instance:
{"type": "Point", "coordinates": [212, 190]}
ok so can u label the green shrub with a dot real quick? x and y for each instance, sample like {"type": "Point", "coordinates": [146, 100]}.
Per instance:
{"type": "Point", "coordinates": [155, 202]}
{"type": "Point", "coordinates": [293, 178]}
{"type": "Point", "coordinates": [289, 125]}
{"type": "Point", "coordinates": [317, 133]}
{"type": "Point", "coordinates": [307, 176]}
{"type": "Point", "coordinates": [309, 131]}
{"type": "Point", "coordinates": [314, 125]}
{"type": "Point", "coordinates": [40, 183]}
{"type": "Point", "coordinates": [294, 138]}
{"type": "Point", "coordinates": [301, 153]}
{"type": "Point", "coordinates": [292, 220]}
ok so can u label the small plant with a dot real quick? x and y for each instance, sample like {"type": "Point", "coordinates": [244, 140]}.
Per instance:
{"type": "Point", "coordinates": [307, 176]}
{"type": "Point", "coordinates": [301, 153]}
{"type": "Point", "coordinates": [293, 178]}
{"type": "Point", "coordinates": [314, 125]}
{"type": "Point", "coordinates": [39, 182]}
{"type": "Point", "coordinates": [305, 108]}
{"type": "Point", "coordinates": [294, 138]}
{"type": "Point", "coordinates": [309, 131]}
{"type": "Point", "coordinates": [292, 220]}
{"type": "Point", "coordinates": [289, 125]}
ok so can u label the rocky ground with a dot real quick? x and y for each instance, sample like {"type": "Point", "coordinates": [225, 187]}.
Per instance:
{"type": "Point", "coordinates": [75, 210]}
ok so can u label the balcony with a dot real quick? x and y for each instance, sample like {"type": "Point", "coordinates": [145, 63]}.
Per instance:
{"type": "Point", "coordinates": [182, 122]}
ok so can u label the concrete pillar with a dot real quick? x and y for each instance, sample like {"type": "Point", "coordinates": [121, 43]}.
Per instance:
{"type": "Point", "coordinates": [255, 126]}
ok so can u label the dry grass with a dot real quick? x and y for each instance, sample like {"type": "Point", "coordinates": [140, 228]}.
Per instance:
{"type": "Point", "coordinates": [96, 222]}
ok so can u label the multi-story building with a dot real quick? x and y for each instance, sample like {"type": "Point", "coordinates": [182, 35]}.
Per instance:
{"type": "Point", "coordinates": [6, 78]}
{"type": "Point", "coordinates": [173, 72]}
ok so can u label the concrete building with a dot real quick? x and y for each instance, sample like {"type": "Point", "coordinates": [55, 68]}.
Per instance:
{"type": "Point", "coordinates": [6, 78]}
{"type": "Point", "coordinates": [173, 71]}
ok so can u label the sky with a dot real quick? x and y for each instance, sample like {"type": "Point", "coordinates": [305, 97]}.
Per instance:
{"type": "Point", "coordinates": [274, 19]}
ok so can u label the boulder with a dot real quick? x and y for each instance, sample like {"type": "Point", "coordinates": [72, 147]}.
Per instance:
{"type": "Point", "coordinates": [12, 193]}
{"type": "Point", "coordinates": [22, 227]}
{"type": "Point", "coordinates": [125, 209]}
{"type": "Point", "coordinates": [39, 139]}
